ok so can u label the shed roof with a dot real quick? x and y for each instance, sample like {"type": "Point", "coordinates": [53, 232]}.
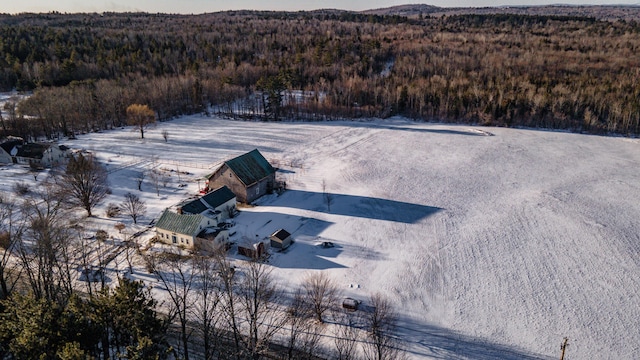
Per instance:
{"type": "Point", "coordinates": [8, 143]}
{"type": "Point", "coordinates": [250, 167]}
{"type": "Point", "coordinates": [218, 196]}
{"type": "Point", "coordinates": [212, 199]}
{"type": "Point", "coordinates": [32, 151]}
{"type": "Point", "coordinates": [281, 234]}
{"type": "Point", "coordinates": [180, 223]}
{"type": "Point", "coordinates": [194, 206]}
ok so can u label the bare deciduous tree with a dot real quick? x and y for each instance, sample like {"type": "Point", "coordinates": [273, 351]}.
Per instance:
{"type": "Point", "coordinates": [85, 182]}
{"type": "Point", "coordinates": [128, 245]}
{"type": "Point", "coordinates": [133, 206]}
{"type": "Point", "coordinates": [380, 322]}
{"type": "Point", "coordinates": [303, 336]}
{"type": "Point", "coordinates": [260, 310]}
{"type": "Point", "coordinates": [44, 248]}
{"type": "Point", "coordinates": [328, 197]}
{"type": "Point", "coordinates": [155, 177]}
{"type": "Point", "coordinates": [321, 293]}
{"type": "Point", "coordinates": [139, 179]}
{"type": "Point", "coordinates": [90, 254]}
{"type": "Point", "coordinates": [178, 279]}
{"type": "Point", "coordinates": [10, 232]}
{"type": "Point", "coordinates": [164, 178]}
{"type": "Point", "coordinates": [346, 338]}
{"type": "Point", "coordinates": [229, 300]}
{"type": "Point", "coordinates": [206, 311]}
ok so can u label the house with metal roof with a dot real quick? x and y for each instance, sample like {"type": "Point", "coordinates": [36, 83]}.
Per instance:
{"type": "Point", "coordinates": [191, 231]}
{"type": "Point", "coordinates": [249, 176]}
{"type": "Point", "coordinates": [7, 146]}
{"type": "Point", "coordinates": [219, 203]}
{"type": "Point", "coordinates": [40, 154]}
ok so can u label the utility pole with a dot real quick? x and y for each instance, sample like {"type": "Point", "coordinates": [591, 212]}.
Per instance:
{"type": "Point", "coordinates": [563, 347]}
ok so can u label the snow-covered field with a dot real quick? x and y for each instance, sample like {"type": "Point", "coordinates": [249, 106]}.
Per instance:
{"type": "Point", "coordinates": [493, 243]}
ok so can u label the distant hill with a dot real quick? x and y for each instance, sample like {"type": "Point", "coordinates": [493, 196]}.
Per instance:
{"type": "Point", "coordinates": [601, 12]}
{"type": "Point", "coordinates": [410, 10]}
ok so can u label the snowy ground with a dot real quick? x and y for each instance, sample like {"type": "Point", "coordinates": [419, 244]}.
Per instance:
{"type": "Point", "coordinates": [492, 242]}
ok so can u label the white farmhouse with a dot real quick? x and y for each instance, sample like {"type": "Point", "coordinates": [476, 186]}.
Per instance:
{"type": "Point", "coordinates": [40, 154]}
{"type": "Point", "coordinates": [191, 231]}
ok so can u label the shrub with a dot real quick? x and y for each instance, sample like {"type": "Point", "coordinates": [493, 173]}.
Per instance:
{"type": "Point", "coordinates": [119, 227]}
{"type": "Point", "coordinates": [102, 235]}
{"type": "Point", "coordinates": [113, 210]}
{"type": "Point", "coordinates": [21, 188]}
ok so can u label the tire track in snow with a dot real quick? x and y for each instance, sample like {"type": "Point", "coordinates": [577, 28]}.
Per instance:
{"type": "Point", "coordinates": [357, 143]}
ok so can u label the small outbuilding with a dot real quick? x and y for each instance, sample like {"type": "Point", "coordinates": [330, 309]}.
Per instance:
{"type": "Point", "coordinates": [253, 251]}
{"type": "Point", "coordinates": [281, 239]}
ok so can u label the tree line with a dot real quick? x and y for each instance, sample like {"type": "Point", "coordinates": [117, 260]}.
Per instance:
{"type": "Point", "coordinates": [574, 73]}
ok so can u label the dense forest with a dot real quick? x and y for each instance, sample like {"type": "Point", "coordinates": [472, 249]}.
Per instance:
{"type": "Point", "coordinates": [560, 72]}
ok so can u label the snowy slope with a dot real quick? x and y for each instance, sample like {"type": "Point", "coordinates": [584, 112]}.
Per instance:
{"type": "Point", "coordinates": [491, 246]}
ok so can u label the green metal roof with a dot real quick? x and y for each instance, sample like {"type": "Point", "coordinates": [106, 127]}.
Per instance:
{"type": "Point", "coordinates": [250, 167]}
{"type": "Point", "coordinates": [182, 224]}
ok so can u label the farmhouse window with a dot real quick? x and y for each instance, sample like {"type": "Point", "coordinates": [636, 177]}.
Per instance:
{"type": "Point", "coordinates": [174, 239]}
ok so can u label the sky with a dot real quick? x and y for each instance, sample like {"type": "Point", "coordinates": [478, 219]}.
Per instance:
{"type": "Point", "coordinates": [203, 6]}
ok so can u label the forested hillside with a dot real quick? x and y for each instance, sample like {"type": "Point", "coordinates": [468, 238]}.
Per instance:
{"type": "Point", "coordinates": [574, 73]}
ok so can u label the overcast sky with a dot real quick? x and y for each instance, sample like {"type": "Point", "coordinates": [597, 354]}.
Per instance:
{"type": "Point", "coordinates": [202, 6]}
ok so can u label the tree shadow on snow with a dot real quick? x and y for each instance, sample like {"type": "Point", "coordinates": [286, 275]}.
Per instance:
{"type": "Point", "coordinates": [357, 206]}
{"type": "Point", "coordinates": [468, 132]}
{"type": "Point", "coordinates": [425, 127]}
{"type": "Point", "coordinates": [441, 343]}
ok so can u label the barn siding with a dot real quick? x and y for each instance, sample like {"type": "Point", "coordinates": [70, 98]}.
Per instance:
{"type": "Point", "coordinates": [224, 176]}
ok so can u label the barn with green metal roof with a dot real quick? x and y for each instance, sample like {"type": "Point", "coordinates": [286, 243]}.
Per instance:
{"type": "Point", "coordinates": [249, 176]}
